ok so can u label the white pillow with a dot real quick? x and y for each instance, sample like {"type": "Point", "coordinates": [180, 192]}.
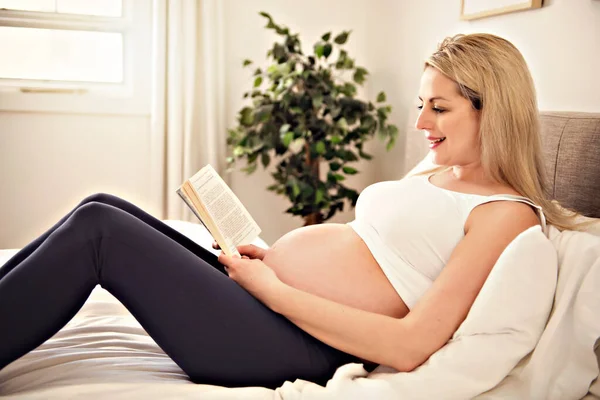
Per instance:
{"type": "Point", "coordinates": [505, 321]}
{"type": "Point", "coordinates": [502, 327]}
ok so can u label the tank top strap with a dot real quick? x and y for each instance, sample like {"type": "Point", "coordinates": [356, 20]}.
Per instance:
{"type": "Point", "coordinates": [520, 199]}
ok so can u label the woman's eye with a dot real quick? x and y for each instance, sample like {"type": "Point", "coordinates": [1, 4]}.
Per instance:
{"type": "Point", "coordinates": [435, 109]}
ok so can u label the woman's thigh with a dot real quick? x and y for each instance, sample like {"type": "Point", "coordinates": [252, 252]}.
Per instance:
{"type": "Point", "coordinates": [214, 329]}
{"type": "Point", "coordinates": [157, 224]}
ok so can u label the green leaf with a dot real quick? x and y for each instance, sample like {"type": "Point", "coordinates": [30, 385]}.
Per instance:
{"type": "Point", "coordinates": [257, 71]}
{"type": "Point", "coordinates": [359, 75]}
{"type": "Point", "coordinates": [264, 14]}
{"type": "Point", "coordinates": [272, 25]}
{"type": "Point", "coordinates": [364, 155]}
{"type": "Point", "coordinates": [381, 97]}
{"type": "Point", "coordinates": [287, 138]}
{"type": "Point", "coordinates": [246, 62]}
{"type": "Point", "coordinates": [336, 139]}
{"type": "Point", "coordinates": [272, 69]}
{"type": "Point", "coordinates": [334, 166]}
{"type": "Point", "coordinates": [284, 128]}
{"type": "Point", "coordinates": [327, 49]}
{"type": "Point", "coordinates": [342, 37]}
{"type": "Point", "coordinates": [320, 147]}
{"type": "Point", "coordinates": [326, 36]}
{"type": "Point", "coordinates": [348, 63]}
{"type": "Point", "coordinates": [319, 50]}
{"type": "Point", "coordinates": [347, 155]}
{"type": "Point", "coordinates": [238, 151]}
{"type": "Point", "coordinates": [279, 51]}
{"type": "Point", "coordinates": [339, 177]}
{"type": "Point", "coordinates": [317, 101]}
{"type": "Point", "coordinates": [348, 89]}
{"type": "Point", "coordinates": [319, 195]}
{"type": "Point", "coordinates": [246, 116]}
{"type": "Point", "coordinates": [250, 168]}
{"type": "Point", "coordinates": [390, 144]}
{"type": "Point", "coordinates": [258, 81]}
{"type": "Point", "coordinates": [265, 159]}
{"type": "Point", "coordinates": [349, 170]}
{"type": "Point", "coordinates": [295, 189]}
{"type": "Point", "coordinates": [341, 61]}
{"type": "Point", "coordinates": [343, 124]}
{"type": "Point", "coordinates": [263, 113]}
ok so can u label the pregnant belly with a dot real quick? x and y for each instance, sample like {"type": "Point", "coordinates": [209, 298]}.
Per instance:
{"type": "Point", "coordinates": [332, 261]}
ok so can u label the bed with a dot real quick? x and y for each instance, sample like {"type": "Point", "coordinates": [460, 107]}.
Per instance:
{"type": "Point", "coordinates": [104, 353]}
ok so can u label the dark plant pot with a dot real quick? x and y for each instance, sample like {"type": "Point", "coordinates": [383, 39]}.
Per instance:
{"type": "Point", "coordinates": [312, 219]}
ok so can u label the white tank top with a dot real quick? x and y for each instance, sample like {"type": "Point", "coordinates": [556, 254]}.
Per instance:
{"type": "Point", "coordinates": [411, 228]}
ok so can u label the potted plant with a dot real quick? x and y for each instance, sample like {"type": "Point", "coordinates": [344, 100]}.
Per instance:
{"type": "Point", "coordinates": [304, 116]}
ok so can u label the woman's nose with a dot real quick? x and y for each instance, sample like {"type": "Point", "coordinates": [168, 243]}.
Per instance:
{"type": "Point", "coordinates": [424, 121]}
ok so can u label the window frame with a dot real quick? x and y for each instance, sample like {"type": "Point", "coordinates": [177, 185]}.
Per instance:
{"type": "Point", "coordinates": [130, 97]}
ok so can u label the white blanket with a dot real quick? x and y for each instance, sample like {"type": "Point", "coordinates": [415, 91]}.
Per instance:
{"type": "Point", "coordinates": [103, 352]}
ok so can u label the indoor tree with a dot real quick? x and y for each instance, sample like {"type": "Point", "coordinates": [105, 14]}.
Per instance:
{"type": "Point", "coordinates": [304, 116]}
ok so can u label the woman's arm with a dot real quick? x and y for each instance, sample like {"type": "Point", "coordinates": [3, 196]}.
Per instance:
{"type": "Point", "coordinates": [406, 343]}
{"type": "Point", "coordinates": [374, 337]}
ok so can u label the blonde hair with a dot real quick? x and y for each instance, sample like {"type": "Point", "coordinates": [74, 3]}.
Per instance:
{"type": "Point", "coordinates": [492, 73]}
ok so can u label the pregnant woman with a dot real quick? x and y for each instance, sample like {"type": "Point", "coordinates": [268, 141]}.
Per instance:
{"type": "Point", "coordinates": [390, 288]}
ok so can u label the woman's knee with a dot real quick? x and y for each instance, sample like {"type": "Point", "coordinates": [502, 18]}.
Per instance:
{"type": "Point", "coordinates": [98, 198]}
{"type": "Point", "coordinates": [92, 214]}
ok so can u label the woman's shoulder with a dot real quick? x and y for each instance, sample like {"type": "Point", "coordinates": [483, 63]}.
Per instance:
{"type": "Point", "coordinates": [507, 216]}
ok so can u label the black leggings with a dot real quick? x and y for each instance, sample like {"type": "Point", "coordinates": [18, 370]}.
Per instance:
{"type": "Point", "coordinates": [210, 326]}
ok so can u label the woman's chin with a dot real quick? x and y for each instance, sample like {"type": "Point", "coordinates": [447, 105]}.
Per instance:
{"type": "Point", "coordinates": [437, 159]}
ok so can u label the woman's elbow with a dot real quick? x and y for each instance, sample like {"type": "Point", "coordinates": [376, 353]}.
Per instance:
{"type": "Point", "coordinates": [408, 349]}
{"type": "Point", "coordinates": [407, 364]}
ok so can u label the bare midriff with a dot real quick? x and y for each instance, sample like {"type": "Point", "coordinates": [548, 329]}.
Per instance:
{"type": "Point", "coordinates": [332, 261]}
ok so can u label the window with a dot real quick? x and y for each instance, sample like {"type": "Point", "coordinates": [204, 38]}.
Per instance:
{"type": "Point", "coordinates": [91, 56]}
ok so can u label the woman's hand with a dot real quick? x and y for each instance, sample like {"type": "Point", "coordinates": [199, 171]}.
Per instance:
{"type": "Point", "coordinates": [248, 250]}
{"type": "Point", "coordinates": [254, 276]}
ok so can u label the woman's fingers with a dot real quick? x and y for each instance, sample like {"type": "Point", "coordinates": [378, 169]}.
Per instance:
{"type": "Point", "coordinates": [252, 251]}
{"type": "Point", "coordinates": [215, 245]}
{"type": "Point", "coordinates": [230, 261]}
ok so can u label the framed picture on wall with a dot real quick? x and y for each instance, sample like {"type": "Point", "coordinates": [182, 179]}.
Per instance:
{"type": "Point", "coordinates": [475, 9]}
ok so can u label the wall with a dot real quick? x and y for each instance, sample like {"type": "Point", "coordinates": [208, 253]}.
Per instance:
{"type": "Point", "coordinates": [48, 162]}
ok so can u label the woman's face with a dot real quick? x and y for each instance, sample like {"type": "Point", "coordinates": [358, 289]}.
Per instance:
{"type": "Point", "coordinates": [450, 122]}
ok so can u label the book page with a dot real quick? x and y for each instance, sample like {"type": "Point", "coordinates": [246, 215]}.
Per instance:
{"type": "Point", "coordinates": [190, 204]}
{"type": "Point", "coordinates": [227, 212]}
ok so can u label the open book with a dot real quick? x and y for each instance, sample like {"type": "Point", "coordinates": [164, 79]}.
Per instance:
{"type": "Point", "coordinates": [219, 210]}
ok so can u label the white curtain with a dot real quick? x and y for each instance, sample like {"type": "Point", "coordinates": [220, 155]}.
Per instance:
{"type": "Point", "coordinates": [188, 129]}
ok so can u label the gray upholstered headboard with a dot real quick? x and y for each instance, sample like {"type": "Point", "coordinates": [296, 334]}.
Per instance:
{"type": "Point", "coordinates": [571, 145]}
